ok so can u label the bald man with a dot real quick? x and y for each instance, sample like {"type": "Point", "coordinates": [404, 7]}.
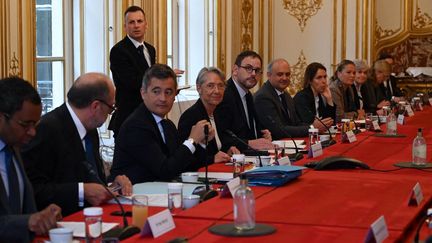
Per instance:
{"type": "Point", "coordinates": [63, 161]}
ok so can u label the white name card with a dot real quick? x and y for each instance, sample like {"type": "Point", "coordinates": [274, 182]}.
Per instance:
{"type": "Point", "coordinates": [316, 150]}
{"type": "Point", "coordinates": [378, 231]}
{"type": "Point", "coordinates": [430, 101]}
{"type": "Point", "coordinates": [284, 161]}
{"type": "Point", "coordinates": [351, 136]}
{"type": "Point", "coordinates": [400, 119]}
{"type": "Point", "coordinates": [376, 126]}
{"type": "Point", "coordinates": [416, 195]}
{"type": "Point", "coordinates": [409, 110]}
{"type": "Point", "coordinates": [158, 224]}
{"type": "Point", "coordinates": [233, 185]}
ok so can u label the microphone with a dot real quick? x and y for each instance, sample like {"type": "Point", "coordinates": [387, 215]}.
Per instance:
{"type": "Point", "coordinates": [331, 141]}
{"type": "Point", "coordinates": [119, 232]}
{"type": "Point", "coordinates": [297, 155]}
{"type": "Point", "coordinates": [258, 153]}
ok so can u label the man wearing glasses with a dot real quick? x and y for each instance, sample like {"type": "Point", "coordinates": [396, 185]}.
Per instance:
{"type": "Point", "coordinates": [64, 163]}
{"type": "Point", "coordinates": [20, 110]}
{"type": "Point", "coordinates": [236, 112]}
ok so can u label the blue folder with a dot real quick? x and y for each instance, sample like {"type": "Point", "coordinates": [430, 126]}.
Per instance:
{"type": "Point", "coordinates": [273, 175]}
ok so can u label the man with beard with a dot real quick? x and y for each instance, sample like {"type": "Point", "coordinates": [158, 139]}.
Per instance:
{"type": "Point", "coordinates": [237, 111]}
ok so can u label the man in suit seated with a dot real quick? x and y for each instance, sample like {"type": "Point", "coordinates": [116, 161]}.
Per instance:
{"type": "Point", "coordinates": [64, 163]}
{"type": "Point", "coordinates": [390, 87]}
{"type": "Point", "coordinates": [275, 107]}
{"type": "Point", "coordinates": [20, 110]}
{"type": "Point", "coordinates": [236, 112]}
{"type": "Point", "coordinates": [148, 147]}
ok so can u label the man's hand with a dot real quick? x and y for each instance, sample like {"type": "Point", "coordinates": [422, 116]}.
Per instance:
{"type": "Point", "coordinates": [95, 194]}
{"type": "Point", "coordinates": [41, 222]}
{"type": "Point", "coordinates": [328, 121]}
{"type": "Point", "coordinates": [125, 183]}
{"type": "Point", "coordinates": [261, 144]}
{"type": "Point", "coordinates": [221, 157]}
{"type": "Point", "coordinates": [383, 103]}
{"type": "Point", "coordinates": [266, 134]}
{"type": "Point", "coordinates": [197, 131]}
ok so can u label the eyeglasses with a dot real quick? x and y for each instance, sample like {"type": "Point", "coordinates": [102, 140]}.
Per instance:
{"type": "Point", "coordinates": [250, 69]}
{"type": "Point", "coordinates": [24, 124]}
{"type": "Point", "coordinates": [113, 107]}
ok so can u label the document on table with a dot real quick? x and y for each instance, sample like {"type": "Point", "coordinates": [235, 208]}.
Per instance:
{"type": "Point", "coordinates": [154, 200]}
{"type": "Point", "coordinates": [219, 176]}
{"type": "Point", "coordinates": [79, 229]}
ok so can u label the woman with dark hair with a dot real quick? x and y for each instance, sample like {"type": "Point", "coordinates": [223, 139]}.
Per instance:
{"type": "Point", "coordinates": [343, 93]}
{"type": "Point", "coordinates": [315, 99]}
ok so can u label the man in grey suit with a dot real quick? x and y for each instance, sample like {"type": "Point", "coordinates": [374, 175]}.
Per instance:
{"type": "Point", "coordinates": [20, 111]}
{"type": "Point", "coordinates": [275, 107]}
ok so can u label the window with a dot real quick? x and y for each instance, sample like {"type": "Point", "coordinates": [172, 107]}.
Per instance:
{"type": "Point", "coordinates": [50, 53]}
{"type": "Point", "coordinates": [191, 39]}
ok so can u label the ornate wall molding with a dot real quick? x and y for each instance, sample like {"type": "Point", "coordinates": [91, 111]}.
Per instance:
{"type": "Point", "coordinates": [14, 66]}
{"type": "Point", "coordinates": [246, 25]}
{"type": "Point", "coordinates": [302, 10]}
{"type": "Point", "coordinates": [297, 74]}
{"type": "Point", "coordinates": [381, 33]}
{"type": "Point", "coordinates": [421, 19]}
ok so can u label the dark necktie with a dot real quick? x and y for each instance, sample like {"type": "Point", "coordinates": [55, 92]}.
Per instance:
{"type": "Point", "coordinates": [140, 50]}
{"type": "Point", "coordinates": [89, 152]}
{"type": "Point", "coordinates": [284, 104]}
{"type": "Point", "coordinates": [251, 113]}
{"type": "Point", "coordinates": [14, 190]}
{"type": "Point", "coordinates": [169, 139]}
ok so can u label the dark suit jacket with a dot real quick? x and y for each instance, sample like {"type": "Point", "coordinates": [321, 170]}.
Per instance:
{"type": "Point", "coordinates": [190, 117]}
{"type": "Point", "coordinates": [128, 71]}
{"type": "Point", "coordinates": [231, 115]}
{"type": "Point", "coordinates": [304, 102]}
{"type": "Point", "coordinates": [388, 92]}
{"type": "Point", "coordinates": [14, 228]}
{"type": "Point", "coordinates": [375, 94]}
{"type": "Point", "coordinates": [141, 154]}
{"type": "Point", "coordinates": [54, 161]}
{"type": "Point", "coordinates": [268, 104]}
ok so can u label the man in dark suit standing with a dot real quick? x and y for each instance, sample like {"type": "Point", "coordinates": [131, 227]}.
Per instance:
{"type": "Point", "coordinates": [237, 111]}
{"type": "Point", "coordinates": [148, 147]}
{"type": "Point", "coordinates": [20, 110]}
{"type": "Point", "coordinates": [275, 107]}
{"type": "Point", "coordinates": [64, 164]}
{"type": "Point", "coordinates": [130, 58]}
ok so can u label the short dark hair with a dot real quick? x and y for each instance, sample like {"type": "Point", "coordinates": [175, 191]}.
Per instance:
{"type": "Point", "coordinates": [13, 92]}
{"type": "Point", "coordinates": [245, 54]}
{"type": "Point", "coordinates": [384, 55]}
{"type": "Point", "coordinates": [159, 71]}
{"type": "Point", "coordinates": [132, 9]}
{"type": "Point", "coordinates": [81, 95]}
{"type": "Point", "coordinates": [310, 72]}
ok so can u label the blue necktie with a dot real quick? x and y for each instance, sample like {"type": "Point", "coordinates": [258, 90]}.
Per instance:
{"type": "Point", "coordinates": [14, 190]}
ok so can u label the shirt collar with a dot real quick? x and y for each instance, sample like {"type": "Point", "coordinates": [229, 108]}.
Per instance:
{"type": "Point", "coordinates": [2, 145]}
{"type": "Point", "coordinates": [136, 43]}
{"type": "Point", "coordinates": [157, 118]}
{"type": "Point", "coordinates": [78, 124]}
{"type": "Point", "coordinates": [278, 92]}
{"type": "Point", "coordinates": [241, 91]}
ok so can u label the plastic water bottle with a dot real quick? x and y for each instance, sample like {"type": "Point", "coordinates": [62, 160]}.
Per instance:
{"type": "Point", "coordinates": [391, 124]}
{"type": "Point", "coordinates": [419, 149]}
{"type": "Point", "coordinates": [244, 207]}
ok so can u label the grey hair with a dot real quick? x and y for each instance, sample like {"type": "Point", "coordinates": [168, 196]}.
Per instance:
{"type": "Point", "coordinates": [202, 75]}
{"type": "Point", "coordinates": [360, 64]}
{"type": "Point", "coordinates": [270, 65]}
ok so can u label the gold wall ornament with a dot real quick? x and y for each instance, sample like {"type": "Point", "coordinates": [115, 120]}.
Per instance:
{"type": "Point", "coordinates": [14, 68]}
{"type": "Point", "coordinates": [381, 33]}
{"type": "Point", "coordinates": [297, 74]}
{"type": "Point", "coordinates": [302, 10]}
{"type": "Point", "coordinates": [421, 20]}
{"type": "Point", "coordinates": [246, 25]}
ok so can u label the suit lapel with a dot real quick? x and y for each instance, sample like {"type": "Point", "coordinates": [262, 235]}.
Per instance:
{"type": "Point", "coordinates": [277, 100]}
{"type": "Point", "coordinates": [238, 99]}
{"type": "Point", "coordinates": [140, 62]}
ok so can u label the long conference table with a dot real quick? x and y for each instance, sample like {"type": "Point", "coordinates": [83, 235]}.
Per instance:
{"type": "Point", "coordinates": [323, 206]}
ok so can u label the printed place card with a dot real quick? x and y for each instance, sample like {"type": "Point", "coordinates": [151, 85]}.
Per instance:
{"type": "Point", "coordinates": [158, 224]}
{"type": "Point", "coordinates": [378, 231]}
{"type": "Point", "coordinates": [376, 126]}
{"type": "Point", "coordinates": [400, 119]}
{"type": "Point", "coordinates": [409, 110]}
{"type": "Point", "coordinates": [430, 101]}
{"type": "Point", "coordinates": [284, 161]}
{"type": "Point", "coordinates": [316, 150]}
{"type": "Point", "coordinates": [233, 185]}
{"type": "Point", "coordinates": [416, 195]}
{"type": "Point", "coordinates": [351, 136]}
